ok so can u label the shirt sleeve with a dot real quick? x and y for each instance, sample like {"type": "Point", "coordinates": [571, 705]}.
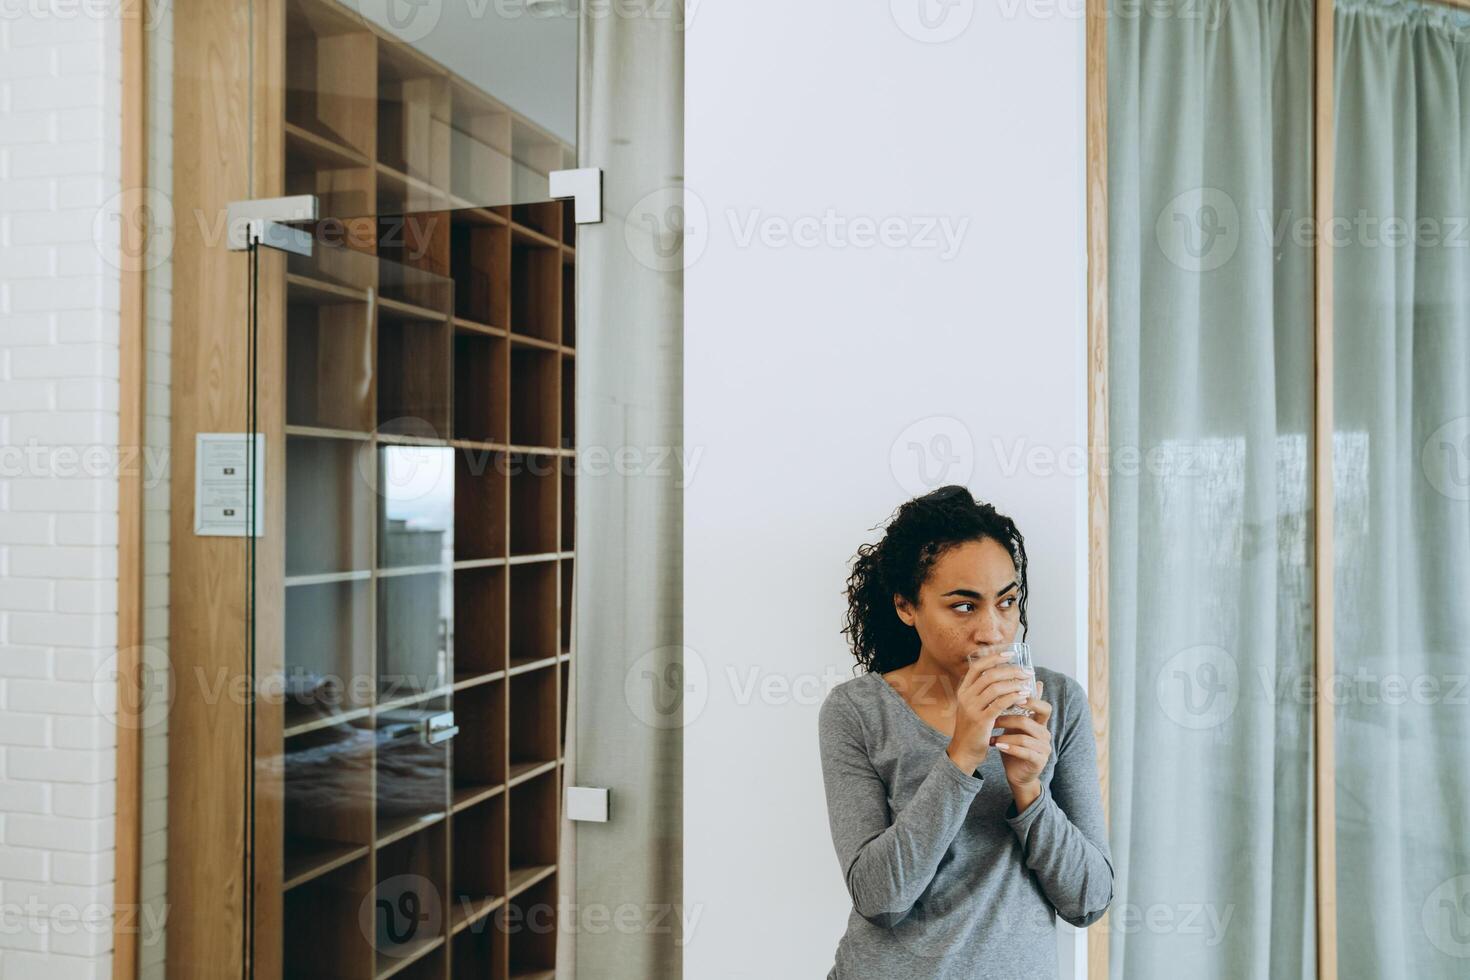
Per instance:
{"type": "Point", "coordinates": [1063, 834]}
{"type": "Point", "coordinates": [887, 861]}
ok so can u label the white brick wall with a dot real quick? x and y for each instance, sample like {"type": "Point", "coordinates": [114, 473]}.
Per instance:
{"type": "Point", "coordinates": [59, 163]}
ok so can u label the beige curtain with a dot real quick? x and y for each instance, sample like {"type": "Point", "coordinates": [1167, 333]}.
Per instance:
{"type": "Point", "coordinates": [629, 574]}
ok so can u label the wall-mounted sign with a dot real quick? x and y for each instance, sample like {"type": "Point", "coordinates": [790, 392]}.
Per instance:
{"type": "Point", "coordinates": [221, 495]}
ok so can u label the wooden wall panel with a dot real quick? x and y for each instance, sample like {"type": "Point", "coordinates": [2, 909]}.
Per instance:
{"type": "Point", "coordinates": [216, 88]}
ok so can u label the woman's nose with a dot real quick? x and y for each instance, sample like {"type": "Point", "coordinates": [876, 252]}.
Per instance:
{"type": "Point", "coordinates": [990, 630]}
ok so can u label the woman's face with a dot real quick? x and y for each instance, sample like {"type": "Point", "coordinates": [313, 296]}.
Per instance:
{"type": "Point", "coordinates": [971, 599]}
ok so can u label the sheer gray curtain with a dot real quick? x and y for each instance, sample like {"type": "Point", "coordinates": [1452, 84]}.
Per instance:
{"type": "Point", "coordinates": [1402, 491]}
{"type": "Point", "coordinates": [629, 519]}
{"type": "Point", "coordinates": [1210, 403]}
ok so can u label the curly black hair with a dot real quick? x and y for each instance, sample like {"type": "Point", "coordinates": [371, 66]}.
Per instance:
{"type": "Point", "coordinates": [920, 531]}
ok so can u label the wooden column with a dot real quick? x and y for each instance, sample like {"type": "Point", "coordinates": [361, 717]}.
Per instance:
{"type": "Point", "coordinates": [1097, 423]}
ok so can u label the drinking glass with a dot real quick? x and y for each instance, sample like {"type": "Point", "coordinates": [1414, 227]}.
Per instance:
{"type": "Point", "coordinates": [1020, 652]}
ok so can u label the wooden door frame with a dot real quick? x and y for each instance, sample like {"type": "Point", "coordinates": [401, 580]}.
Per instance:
{"type": "Point", "coordinates": [133, 176]}
{"type": "Point", "coordinates": [1097, 424]}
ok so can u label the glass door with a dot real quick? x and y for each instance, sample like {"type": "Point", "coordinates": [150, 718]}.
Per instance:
{"type": "Point", "coordinates": [412, 632]}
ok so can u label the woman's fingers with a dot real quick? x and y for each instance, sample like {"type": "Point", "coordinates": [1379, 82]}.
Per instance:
{"type": "Point", "coordinates": [972, 672]}
{"type": "Point", "coordinates": [980, 666]}
{"type": "Point", "coordinates": [1000, 696]}
{"type": "Point", "coordinates": [1024, 725]}
{"type": "Point", "coordinates": [1042, 707]}
{"type": "Point", "coordinates": [1021, 750]}
{"type": "Point", "coordinates": [1011, 677]}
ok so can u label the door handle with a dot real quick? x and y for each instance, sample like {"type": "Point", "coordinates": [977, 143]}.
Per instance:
{"type": "Point", "coordinates": [440, 728]}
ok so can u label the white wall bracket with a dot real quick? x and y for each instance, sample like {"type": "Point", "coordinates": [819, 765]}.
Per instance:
{"type": "Point", "coordinates": [586, 803]}
{"type": "Point", "coordinates": [584, 187]}
{"type": "Point", "coordinates": [259, 222]}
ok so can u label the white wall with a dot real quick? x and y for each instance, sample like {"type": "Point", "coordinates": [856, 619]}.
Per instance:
{"type": "Point", "coordinates": [811, 368]}
{"type": "Point", "coordinates": [59, 163]}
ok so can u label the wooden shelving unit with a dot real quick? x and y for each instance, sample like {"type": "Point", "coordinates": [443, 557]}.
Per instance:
{"type": "Point", "coordinates": [428, 565]}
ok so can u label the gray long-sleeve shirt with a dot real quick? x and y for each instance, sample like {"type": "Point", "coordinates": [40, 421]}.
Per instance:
{"type": "Point", "coordinates": [947, 880]}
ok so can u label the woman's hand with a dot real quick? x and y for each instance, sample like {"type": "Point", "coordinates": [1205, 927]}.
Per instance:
{"type": "Point", "coordinates": [1025, 745]}
{"type": "Point", "coordinates": [990, 686]}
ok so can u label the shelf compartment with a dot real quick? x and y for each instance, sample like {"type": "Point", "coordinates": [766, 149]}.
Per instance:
{"type": "Point", "coordinates": [469, 795]}
{"type": "Point", "coordinates": [566, 696]}
{"type": "Point", "coordinates": [328, 800]}
{"type": "Point", "coordinates": [331, 77]}
{"type": "Point", "coordinates": [478, 854]}
{"type": "Point", "coordinates": [414, 116]}
{"type": "Point", "coordinates": [342, 266]}
{"type": "Point", "coordinates": [409, 921]}
{"type": "Point", "coordinates": [542, 216]}
{"type": "Point", "coordinates": [309, 290]}
{"type": "Point", "coordinates": [394, 829]}
{"type": "Point", "coordinates": [535, 397]}
{"type": "Point", "coordinates": [529, 926]}
{"type": "Point", "coordinates": [477, 951]}
{"type": "Point", "coordinates": [416, 506]}
{"type": "Point", "coordinates": [415, 633]}
{"type": "Point", "coordinates": [479, 621]}
{"type": "Point", "coordinates": [480, 267]}
{"type": "Point", "coordinates": [568, 302]}
{"type": "Point", "coordinates": [480, 504]}
{"type": "Point", "coordinates": [328, 526]}
{"type": "Point", "coordinates": [343, 186]}
{"type": "Point", "coordinates": [533, 718]}
{"type": "Point", "coordinates": [532, 815]}
{"type": "Point", "coordinates": [300, 723]}
{"type": "Point", "coordinates": [415, 266]}
{"type": "Point", "coordinates": [568, 401]}
{"type": "Point", "coordinates": [412, 775]}
{"type": "Point", "coordinates": [535, 288]}
{"type": "Point", "coordinates": [519, 879]}
{"type": "Point", "coordinates": [536, 154]}
{"type": "Point", "coordinates": [568, 505]}
{"type": "Point", "coordinates": [533, 616]}
{"type": "Point", "coordinates": [479, 748]}
{"type": "Point", "coordinates": [320, 151]}
{"type": "Point", "coordinates": [413, 372]}
{"type": "Point", "coordinates": [568, 603]}
{"type": "Point", "coordinates": [306, 860]}
{"type": "Point", "coordinates": [425, 963]}
{"type": "Point", "coordinates": [533, 504]}
{"type": "Point", "coordinates": [520, 772]}
{"type": "Point", "coordinates": [320, 933]}
{"type": "Point", "coordinates": [480, 147]}
{"type": "Point", "coordinates": [328, 649]}
{"type": "Point", "coordinates": [481, 387]}
{"type": "Point", "coordinates": [399, 193]}
{"type": "Point", "coordinates": [329, 363]}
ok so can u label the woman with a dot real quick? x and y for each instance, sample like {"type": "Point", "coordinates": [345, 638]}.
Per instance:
{"type": "Point", "coordinates": [958, 858]}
